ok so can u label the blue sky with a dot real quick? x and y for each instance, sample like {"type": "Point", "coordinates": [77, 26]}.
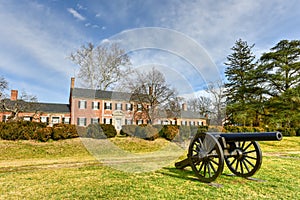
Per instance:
{"type": "Point", "coordinates": [37, 36]}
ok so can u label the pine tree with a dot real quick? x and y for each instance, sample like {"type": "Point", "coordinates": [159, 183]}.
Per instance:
{"type": "Point", "coordinates": [243, 90]}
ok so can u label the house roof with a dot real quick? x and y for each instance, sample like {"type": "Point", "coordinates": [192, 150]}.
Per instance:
{"type": "Point", "coordinates": [53, 107]}
{"type": "Point", "coordinates": [101, 94]}
{"type": "Point", "coordinates": [190, 115]}
{"type": "Point", "coordinates": [36, 106]}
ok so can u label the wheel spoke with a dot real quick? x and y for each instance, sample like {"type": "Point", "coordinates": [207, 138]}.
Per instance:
{"type": "Point", "coordinates": [208, 166]}
{"type": "Point", "coordinates": [212, 166]}
{"type": "Point", "coordinates": [249, 152]}
{"type": "Point", "coordinates": [215, 162]}
{"type": "Point", "coordinates": [244, 142]}
{"type": "Point", "coordinates": [246, 166]}
{"type": "Point", "coordinates": [236, 166]}
{"type": "Point", "coordinates": [247, 146]}
{"type": "Point", "coordinates": [248, 162]}
{"type": "Point", "coordinates": [235, 159]}
{"type": "Point", "coordinates": [201, 166]}
{"type": "Point", "coordinates": [241, 166]}
{"type": "Point", "coordinates": [254, 158]}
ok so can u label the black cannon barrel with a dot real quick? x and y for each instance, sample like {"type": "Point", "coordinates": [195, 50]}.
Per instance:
{"type": "Point", "coordinates": [264, 136]}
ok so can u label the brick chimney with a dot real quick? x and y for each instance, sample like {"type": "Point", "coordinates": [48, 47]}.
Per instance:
{"type": "Point", "coordinates": [184, 106]}
{"type": "Point", "coordinates": [72, 82]}
{"type": "Point", "coordinates": [14, 95]}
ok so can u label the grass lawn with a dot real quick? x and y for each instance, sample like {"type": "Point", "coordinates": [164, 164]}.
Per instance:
{"type": "Point", "coordinates": [66, 170]}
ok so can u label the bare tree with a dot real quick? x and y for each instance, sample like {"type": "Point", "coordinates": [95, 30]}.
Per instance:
{"type": "Point", "coordinates": [26, 103]}
{"type": "Point", "coordinates": [201, 104]}
{"type": "Point", "coordinates": [217, 89]}
{"type": "Point", "coordinates": [152, 92]}
{"type": "Point", "coordinates": [101, 66]}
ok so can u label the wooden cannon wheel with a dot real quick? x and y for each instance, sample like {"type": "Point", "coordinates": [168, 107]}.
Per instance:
{"type": "Point", "coordinates": [206, 157]}
{"type": "Point", "coordinates": [244, 158]}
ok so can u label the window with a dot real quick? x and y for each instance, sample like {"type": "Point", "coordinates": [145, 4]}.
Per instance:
{"type": "Point", "coordinates": [82, 104]}
{"type": "Point", "coordinates": [55, 120]}
{"type": "Point", "coordinates": [95, 105]}
{"type": "Point", "coordinates": [66, 120]}
{"type": "Point", "coordinates": [183, 122]}
{"type": "Point", "coordinates": [200, 123]}
{"type": "Point", "coordinates": [26, 118]}
{"type": "Point", "coordinates": [128, 106]}
{"type": "Point", "coordinates": [81, 121]}
{"type": "Point", "coordinates": [139, 107]}
{"type": "Point", "coordinates": [140, 121]}
{"type": "Point", "coordinates": [118, 106]}
{"type": "Point", "coordinates": [107, 106]}
{"type": "Point", "coordinates": [94, 120]}
{"type": "Point", "coordinates": [107, 121]}
{"type": "Point", "coordinates": [44, 119]}
{"type": "Point", "coordinates": [128, 121]}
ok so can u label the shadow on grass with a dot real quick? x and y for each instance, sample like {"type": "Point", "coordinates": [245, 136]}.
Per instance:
{"type": "Point", "coordinates": [185, 174]}
{"type": "Point", "coordinates": [179, 173]}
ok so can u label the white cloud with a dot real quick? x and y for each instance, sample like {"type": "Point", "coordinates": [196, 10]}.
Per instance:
{"type": "Point", "coordinates": [76, 14]}
{"type": "Point", "coordinates": [35, 47]}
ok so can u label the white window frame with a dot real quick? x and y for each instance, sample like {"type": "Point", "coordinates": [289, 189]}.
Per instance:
{"type": "Point", "coordinates": [81, 121]}
{"type": "Point", "coordinates": [82, 104]}
{"type": "Point", "coordinates": [67, 120]}
{"type": "Point", "coordinates": [95, 105]}
{"type": "Point", "coordinates": [108, 106]}
{"type": "Point", "coordinates": [55, 120]}
{"type": "Point", "coordinates": [119, 106]}
{"type": "Point", "coordinates": [95, 120]}
{"type": "Point", "coordinates": [44, 119]}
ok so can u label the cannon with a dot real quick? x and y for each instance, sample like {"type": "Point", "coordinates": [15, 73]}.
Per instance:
{"type": "Point", "coordinates": [240, 151]}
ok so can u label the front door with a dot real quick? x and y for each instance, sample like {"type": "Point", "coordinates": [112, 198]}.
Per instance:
{"type": "Point", "coordinates": [118, 124]}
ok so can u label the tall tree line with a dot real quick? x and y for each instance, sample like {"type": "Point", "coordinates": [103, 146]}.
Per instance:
{"type": "Point", "coordinates": [264, 91]}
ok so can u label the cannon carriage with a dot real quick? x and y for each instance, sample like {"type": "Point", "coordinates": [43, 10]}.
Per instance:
{"type": "Point", "coordinates": [207, 153]}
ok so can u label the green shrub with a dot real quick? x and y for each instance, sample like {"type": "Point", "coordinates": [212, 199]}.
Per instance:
{"type": "Point", "coordinates": [81, 131]}
{"type": "Point", "coordinates": [64, 131]}
{"type": "Point", "coordinates": [43, 134]}
{"type": "Point", "coordinates": [287, 131]}
{"type": "Point", "coordinates": [128, 130]}
{"type": "Point", "coordinates": [101, 131]}
{"type": "Point", "coordinates": [245, 129]}
{"type": "Point", "coordinates": [95, 131]}
{"type": "Point", "coordinates": [109, 130]}
{"type": "Point", "coordinates": [169, 132]}
{"type": "Point", "coordinates": [20, 130]}
{"type": "Point", "coordinates": [146, 132]}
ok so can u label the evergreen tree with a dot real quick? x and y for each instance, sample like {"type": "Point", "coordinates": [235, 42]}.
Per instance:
{"type": "Point", "coordinates": [243, 90]}
{"type": "Point", "coordinates": [281, 67]}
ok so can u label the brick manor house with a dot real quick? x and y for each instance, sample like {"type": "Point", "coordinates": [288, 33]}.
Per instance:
{"type": "Point", "coordinates": [87, 106]}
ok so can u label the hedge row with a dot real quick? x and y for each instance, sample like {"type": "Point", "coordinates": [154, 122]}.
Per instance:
{"type": "Point", "coordinates": [284, 131]}
{"type": "Point", "coordinates": [97, 131]}
{"type": "Point", "coordinates": [25, 130]}
{"type": "Point", "coordinates": [169, 132]}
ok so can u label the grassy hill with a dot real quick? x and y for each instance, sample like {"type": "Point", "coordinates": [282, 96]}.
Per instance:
{"type": "Point", "coordinates": [67, 170]}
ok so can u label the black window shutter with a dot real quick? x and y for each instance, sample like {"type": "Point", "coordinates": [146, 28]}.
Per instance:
{"type": "Point", "coordinates": [110, 121]}
{"type": "Point", "coordinates": [93, 103]}
{"type": "Point", "coordinates": [78, 104]}
{"type": "Point", "coordinates": [85, 104]}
